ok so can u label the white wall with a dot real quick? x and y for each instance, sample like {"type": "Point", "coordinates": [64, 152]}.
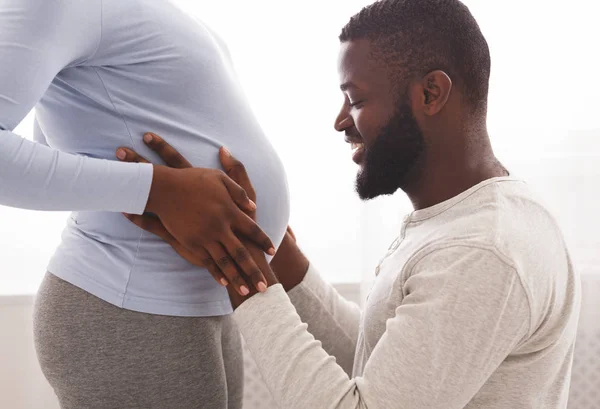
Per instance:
{"type": "Point", "coordinates": [22, 385]}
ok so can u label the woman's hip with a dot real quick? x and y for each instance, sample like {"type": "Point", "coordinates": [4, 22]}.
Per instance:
{"type": "Point", "coordinates": [92, 350]}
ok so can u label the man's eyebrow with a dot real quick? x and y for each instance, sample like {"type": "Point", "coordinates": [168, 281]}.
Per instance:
{"type": "Point", "coordinates": [347, 85]}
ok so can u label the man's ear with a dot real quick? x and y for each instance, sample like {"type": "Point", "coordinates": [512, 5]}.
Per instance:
{"type": "Point", "coordinates": [434, 90]}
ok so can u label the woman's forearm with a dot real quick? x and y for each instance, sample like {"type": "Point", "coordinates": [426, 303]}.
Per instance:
{"type": "Point", "coordinates": [37, 177]}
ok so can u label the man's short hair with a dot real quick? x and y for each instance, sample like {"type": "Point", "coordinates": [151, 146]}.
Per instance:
{"type": "Point", "coordinates": [416, 37]}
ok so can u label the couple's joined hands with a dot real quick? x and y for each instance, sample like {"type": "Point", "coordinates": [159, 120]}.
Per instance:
{"type": "Point", "coordinates": [225, 203]}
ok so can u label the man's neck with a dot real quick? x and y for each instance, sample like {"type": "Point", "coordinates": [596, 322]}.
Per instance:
{"type": "Point", "coordinates": [451, 171]}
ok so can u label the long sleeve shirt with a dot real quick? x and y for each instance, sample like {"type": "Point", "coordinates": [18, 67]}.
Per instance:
{"type": "Point", "coordinates": [475, 305]}
{"type": "Point", "coordinates": [101, 73]}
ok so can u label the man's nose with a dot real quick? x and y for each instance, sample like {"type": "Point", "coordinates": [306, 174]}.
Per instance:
{"type": "Point", "coordinates": [343, 120]}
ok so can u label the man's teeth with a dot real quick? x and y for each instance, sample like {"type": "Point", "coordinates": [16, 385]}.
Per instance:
{"type": "Point", "coordinates": [356, 145]}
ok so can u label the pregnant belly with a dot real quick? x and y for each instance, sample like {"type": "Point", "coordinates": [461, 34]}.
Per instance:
{"type": "Point", "coordinates": [109, 229]}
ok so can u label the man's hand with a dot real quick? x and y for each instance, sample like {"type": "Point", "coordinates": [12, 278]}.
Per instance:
{"type": "Point", "coordinates": [197, 213]}
{"type": "Point", "coordinates": [289, 264]}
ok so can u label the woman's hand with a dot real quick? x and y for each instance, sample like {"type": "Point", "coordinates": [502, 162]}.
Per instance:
{"type": "Point", "coordinates": [213, 243]}
{"type": "Point", "coordinates": [289, 264]}
{"type": "Point", "coordinates": [236, 171]}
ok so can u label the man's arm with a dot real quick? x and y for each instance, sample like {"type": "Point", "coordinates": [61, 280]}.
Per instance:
{"type": "Point", "coordinates": [331, 318]}
{"type": "Point", "coordinates": [465, 311]}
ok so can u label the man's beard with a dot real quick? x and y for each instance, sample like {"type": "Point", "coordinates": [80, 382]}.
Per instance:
{"type": "Point", "coordinates": [391, 162]}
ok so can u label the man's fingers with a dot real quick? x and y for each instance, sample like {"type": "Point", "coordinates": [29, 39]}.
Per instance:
{"type": "Point", "coordinates": [152, 225]}
{"type": "Point", "coordinates": [246, 263]}
{"type": "Point", "coordinates": [249, 228]}
{"type": "Point", "coordinates": [239, 195]}
{"type": "Point", "coordinates": [167, 153]}
{"type": "Point", "coordinates": [227, 266]}
{"type": "Point", "coordinates": [236, 171]}
{"type": "Point", "coordinates": [128, 155]}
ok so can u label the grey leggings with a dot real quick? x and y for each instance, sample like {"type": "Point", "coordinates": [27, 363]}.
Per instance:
{"type": "Point", "coordinates": [98, 356]}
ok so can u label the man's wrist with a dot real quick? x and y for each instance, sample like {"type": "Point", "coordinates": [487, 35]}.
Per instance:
{"type": "Point", "coordinates": [290, 264]}
{"type": "Point", "coordinates": [296, 277]}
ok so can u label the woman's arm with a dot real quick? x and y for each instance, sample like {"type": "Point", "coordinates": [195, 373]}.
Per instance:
{"type": "Point", "coordinates": [38, 39]}
{"type": "Point", "coordinates": [38, 134]}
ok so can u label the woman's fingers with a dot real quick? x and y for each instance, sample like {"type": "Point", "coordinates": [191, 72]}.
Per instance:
{"type": "Point", "coordinates": [239, 195]}
{"type": "Point", "coordinates": [236, 171]}
{"type": "Point", "coordinates": [167, 153]}
{"type": "Point", "coordinates": [228, 267]}
{"type": "Point", "coordinates": [248, 227]}
{"type": "Point", "coordinates": [199, 257]}
{"type": "Point", "coordinates": [152, 225]}
{"type": "Point", "coordinates": [128, 155]}
{"type": "Point", "coordinates": [243, 258]}
{"type": "Point", "coordinates": [214, 270]}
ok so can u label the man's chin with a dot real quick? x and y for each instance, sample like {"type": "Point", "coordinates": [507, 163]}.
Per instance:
{"type": "Point", "coordinates": [366, 198]}
{"type": "Point", "coordinates": [366, 191]}
{"type": "Point", "coordinates": [366, 195]}
{"type": "Point", "coordinates": [371, 188]}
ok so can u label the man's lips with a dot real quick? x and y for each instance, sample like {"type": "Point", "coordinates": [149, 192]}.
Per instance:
{"type": "Point", "coordinates": [353, 139]}
{"type": "Point", "coordinates": [358, 149]}
{"type": "Point", "coordinates": [358, 153]}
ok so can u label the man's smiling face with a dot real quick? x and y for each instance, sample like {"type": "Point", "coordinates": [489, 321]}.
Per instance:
{"type": "Point", "coordinates": [378, 121]}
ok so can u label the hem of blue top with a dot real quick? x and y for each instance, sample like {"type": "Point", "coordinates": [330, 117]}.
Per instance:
{"type": "Point", "coordinates": [144, 305]}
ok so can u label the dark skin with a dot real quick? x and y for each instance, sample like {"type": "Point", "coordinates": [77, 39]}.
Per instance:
{"type": "Point", "coordinates": [202, 208]}
{"type": "Point", "coordinates": [289, 259]}
{"type": "Point", "coordinates": [459, 153]}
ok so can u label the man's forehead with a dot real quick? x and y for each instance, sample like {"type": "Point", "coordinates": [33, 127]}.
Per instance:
{"type": "Point", "coordinates": [357, 63]}
{"type": "Point", "coordinates": [354, 54]}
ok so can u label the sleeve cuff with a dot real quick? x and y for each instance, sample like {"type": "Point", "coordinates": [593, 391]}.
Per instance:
{"type": "Point", "coordinates": [145, 174]}
{"type": "Point", "coordinates": [257, 306]}
{"type": "Point", "coordinates": [312, 285]}
{"type": "Point", "coordinates": [260, 310]}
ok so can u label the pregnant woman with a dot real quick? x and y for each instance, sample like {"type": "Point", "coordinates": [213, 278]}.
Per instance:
{"type": "Point", "coordinates": [121, 320]}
